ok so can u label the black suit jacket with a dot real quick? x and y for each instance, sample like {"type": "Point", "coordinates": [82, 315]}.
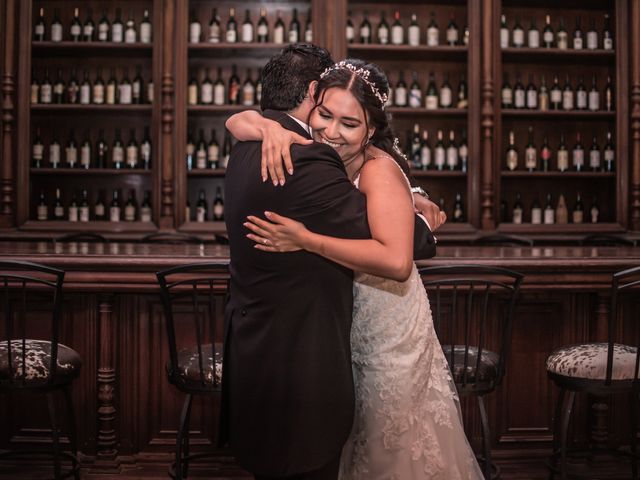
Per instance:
{"type": "Point", "coordinates": [287, 402]}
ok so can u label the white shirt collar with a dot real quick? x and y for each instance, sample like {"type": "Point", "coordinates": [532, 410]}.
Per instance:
{"type": "Point", "coordinates": [306, 127]}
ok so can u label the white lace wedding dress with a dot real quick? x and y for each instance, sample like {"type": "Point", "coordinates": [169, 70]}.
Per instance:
{"type": "Point", "coordinates": [407, 422]}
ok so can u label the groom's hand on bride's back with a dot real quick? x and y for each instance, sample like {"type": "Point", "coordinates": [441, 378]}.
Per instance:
{"type": "Point", "coordinates": [276, 153]}
{"type": "Point", "coordinates": [431, 211]}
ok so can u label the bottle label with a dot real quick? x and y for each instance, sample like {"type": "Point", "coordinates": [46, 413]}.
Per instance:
{"type": "Point", "coordinates": [136, 89]}
{"type": "Point", "coordinates": [431, 102]}
{"type": "Point", "coordinates": [72, 156]}
{"type": "Point", "coordinates": [129, 213]}
{"type": "Point", "coordinates": [58, 89]}
{"type": "Point", "coordinates": [581, 99]}
{"type": "Point", "coordinates": [520, 98]}
{"type": "Point", "coordinates": [103, 32]}
{"type": "Point", "coordinates": [99, 210]}
{"type": "Point", "coordinates": [111, 94]}
{"type": "Point", "coordinates": [578, 158]}
{"type": "Point", "coordinates": [578, 216]}
{"type": "Point", "coordinates": [76, 30]}
{"type": "Point", "coordinates": [563, 40]}
{"type": "Point", "coordinates": [145, 32]}
{"type": "Point", "coordinates": [445, 97]}
{"type": "Point", "coordinates": [415, 98]}
{"type": "Point", "coordinates": [194, 32]}
{"type": "Point", "coordinates": [84, 214]}
{"type": "Point", "coordinates": [56, 32]}
{"type": "Point", "coordinates": [125, 93]}
{"type": "Point", "coordinates": [218, 94]}
{"type": "Point", "coordinates": [563, 160]}
{"type": "Point", "coordinates": [518, 38]}
{"type": "Point", "coordinates": [145, 152]}
{"type": "Point", "coordinates": [549, 216]}
{"type": "Point", "coordinates": [567, 100]}
{"type": "Point", "coordinates": [206, 94]}
{"type": "Point", "coordinates": [114, 214]}
{"type": "Point", "coordinates": [512, 159]}
{"type": "Point", "coordinates": [308, 35]}
{"type": "Point", "coordinates": [414, 35]}
{"type": "Point", "coordinates": [85, 156]}
{"type": "Point", "coordinates": [383, 35]}
{"type": "Point", "coordinates": [201, 214]}
{"type": "Point", "coordinates": [401, 97]}
{"type": "Point", "coordinates": [349, 34]}
{"type": "Point", "coordinates": [452, 157]}
{"type": "Point", "coordinates": [530, 158]}
{"type": "Point", "coordinates": [440, 157]}
{"type": "Point", "coordinates": [118, 155]}
{"type": "Point", "coordinates": [38, 152]}
{"type": "Point", "coordinates": [150, 92]}
{"type": "Point", "coordinates": [132, 156]}
{"type": "Point", "coordinates": [594, 159]}
{"type": "Point", "coordinates": [432, 37]}
{"type": "Point", "coordinates": [547, 37]}
{"type": "Point", "coordinates": [98, 93]}
{"type": "Point", "coordinates": [592, 40]}
{"type": "Point", "coordinates": [425, 157]}
{"type": "Point", "coordinates": [504, 38]}
{"type": "Point", "coordinates": [507, 97]}
{"type": "Point", "coordinates": [54, 154]}
{"type": "Point", "coordinates": [45, 93]}
{"type": "Point", "coordinates": [556, 96]}
{"type": "Point", "coordinates": [452, 36]}
{"type": "Point", "coordinates": [594, 101]}
{"type": "Point", "coordinates": [73, 214]}
{"type": "Point", "coordinates": [130, 36]}
{"type": "Point", "coordinates": [532, 99]}
{"type": "Point", "coordinates": [214, 33]}
{"type": "Point", "coordinates": [263, 30]}
{"type": "Point", "coordinates": [463, 152]}
{"type": "Point", "coordinates": [58, 211]}
{"type": "Point", "coordinates": [543, 100]}
{"type": "Point", "coordinates": [595, 213]}
{"type": "Point", "coordinates": [609, 155]}
{"type": "Point", "coordinates": [232, 36]}
{"type": "Point", "coordinates": [248, 95]}
{"type": "Point", "coordinates": [247, 33]}
{"type": "Point", "coordinates": [578, 43]}
{"type": "Point", "coordinates": [39, 30]}
{"type": "Point", "coordinates": [397, 35]}
{"type": "Point", "coordinates": [534, 39]}
{"type": "Point", "coordinates": [365, 33]}
{"type": "Point", "coordinates": [43, 212]}
{"type": "Point", "coordinates": [517, 215]}
{"type": "Point", "coordinates": [213, 152]}
{"type": "Point", "coordinates": [201, 158]}
{"type": "Point", "coordinates": [116, 32]}
{"type": "Point", "coordinates": [145, 214]}
{"type": "Point", "coordinates": [35, 93]}
{"type": "Point", "coordinates": [607, 43]}
{"type": "Point", "coordinates": [218, 210]}
{"type": "Point", "coordinates": [85, 94]}
{"type": "Point", "coordinates": [293, 35]}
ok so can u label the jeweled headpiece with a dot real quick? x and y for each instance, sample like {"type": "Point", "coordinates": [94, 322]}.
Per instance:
{"type": "Point", "coordinates": [363, 73]}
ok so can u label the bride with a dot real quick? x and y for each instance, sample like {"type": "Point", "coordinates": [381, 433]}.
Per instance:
{"type": "Point", "coordinates": [407, 423]}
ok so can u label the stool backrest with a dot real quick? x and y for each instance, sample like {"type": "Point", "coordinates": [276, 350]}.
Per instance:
{"type": "Point", "coordinates": [625, 293]}
{"type": "Point", "coordinates": [31, 296]}
{"type": "Point", "coordinates": [193, 297]}
{"type": "Point", "coordinates": [473, 308]}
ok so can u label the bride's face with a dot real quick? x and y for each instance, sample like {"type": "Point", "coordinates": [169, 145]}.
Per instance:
{"type": "Point", "coordinates": [339, 121]}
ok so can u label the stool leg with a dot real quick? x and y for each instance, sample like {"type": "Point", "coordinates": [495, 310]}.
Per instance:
{"type": "Point", "coordinates": [557, 415]}
{"type": "Point", "coordinates": [72, 432]}
{"type": "Point", "coordinates": [633, 402]}
{"type": "Point", "coordinates": [486, 438]}
{"type": "Point", "coordinates": [186, 406]}
{"type": "Point", "coordinates": [566, 415]}
{"type": "Point", "coordinates": [54, 434]}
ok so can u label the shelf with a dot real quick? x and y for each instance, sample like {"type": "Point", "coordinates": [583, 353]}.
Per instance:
{"type": "Point", "coordinates": [231, 50]}
{"type": "Point", "coordinates": [437, 173]}
{"type": "Point", "coordinates": [557, 174]}
{"type": "Point", "coordinates": [577, 114]}
{"type": "Point", "coordinates": [536, 55]}
{"type": "Point", "coordinates": [203, 227]}
{"type": "Point", "coordinates": [92, 226]}
{"type": "Point", "coordinates": [395, 52]}
{"type": "Point", "coordinates": [89, 171]}
{"type": "Point", "coordinates": [455, 228]}
{"type": "Point", "coordinates": [69, 49]}
{"type": "Point", "coordinates": [207, 172]}
{"type": "Point", "coordinates": [73, 107]}
{"type": "Point", "coordinates": [219, 109]}
{"type": "Point", "coordinates": [439, 112]}
{"type": "Point", "coordinates": [584, 228]}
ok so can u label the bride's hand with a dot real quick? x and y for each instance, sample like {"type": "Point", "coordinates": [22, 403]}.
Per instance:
{"type": "Point", "coordinates": [276, 151]}
{"type": "Point", "coordinates": [277, 234]}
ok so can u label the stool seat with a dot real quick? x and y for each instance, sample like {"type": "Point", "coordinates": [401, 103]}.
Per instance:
{"type": "Point", "coordinates": [487, 370]}
{"type": "Point", "coordinates": [188, 373]}
{"type": "Point", "coordinates": [37, 359]}
{"type": "Point", "coordinates": [588, 361]}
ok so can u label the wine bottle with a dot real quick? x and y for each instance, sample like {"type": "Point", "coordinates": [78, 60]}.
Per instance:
{"type": "Point", "coordinates": [594, 96]}
{"type": "Point", "coordinates": [146, 28]}
{"type": "Point", "coordinates": [453, 34]}
{"type": "Point", "coordinates": [425, 151]}
{"type": "Point", "coordinates": [54, 152]}
{"type": "Point", "coordinates": [415, 92]}
{"type": "Point", "coordinates": [562, 215]}
{"type": "Point", "coordinates": [201, 152]}
{"type": "Point", "coordinates": [102, 150]}
{"type": "Point", "coordinates": [145, 149]}
{"type": "Point", "coordinates": [35, 88]}
{"type": "Point", "coordinates": [132, 150]}
{"type": "Point", "coordinates": [76, 27]}
{"type": "Point", "coordinates": [592, 36]}
{"type": "Point", "coordinates": [562, 37]}
{"type": "Point", "coordinates": [37, 151]}
{"type": "Point", "coordinates": [350, 34]}
{"type": "Point", "coordinates": [226, 150]}
{"type": "Point", "coordinates": [547, 33]}
{"type": "Point", "coordinates": [130, 33]}
{"type": "Point", "coordinates": [42, 210]}
{"type": "Point", "coordinates": [89, 28]}
{"type": "Point", "coordinates": [567, 95]}
{"type": "Point", "coordinates": [578, 154]}
{"type": "Point", "coordinates": [117, 29]}
{"type": "Point", "coordinates": [463, 98]}
{"type": "Point", "coordinates": [431, 97]}
{"type": "Point", "coordinates": [607, 35]}
{"type": "Point", "coordinates": [99, 209]}
{"type": "Point", "coordinates": [609, 99]}
{"type": "Point", "coordinates": [71, 152]}
{"type": "Point", "coordinates": [512, 153]}
{"type": "Point", "coordinates": [201, 207]}
{"type": "Point", "coordinates": [83, 211]}
{"type": "Point", "coordinates": [308, 29]}
{"type": "Point", "coordinates": [581, 94]}
{"type": "Point", "coordinates": [401, 91]}
{"type": "Point", "coordinates": [458, 209]}
{"type": "Point", "coordinates": [73, 209]}
{"type": "Point", "coordinates": [383, 30]}
{"type": "Point", "coordinates": [56, 27]}
{"type": "Point", "coordinates": [246, 35]}
{"type": "Point", "coordinates": [131, 207]}
{"type": "Point", "coordinates": [213, 151]}
{"type": "Point", "coordinates": [519, 94]}
{"type": "Point", "coordinates": [536, 212]}
{"type": "Point", "coordinates": [506, 93]}
{"type": "Point", "coordinates": [609, 154]}
{"type": "Point", "coordinates": [125, 90]}
{"type": "Point", "coordinates": [543, 95]}
{"type": "Point", "coordinates": [504, 32]}
{"type": "Point", "coordinates": [234, 87]}
{"type": "Point", "coordinates": [365, 28]}
{"type": "Point", "coordinates": [532, 94]}
{"type": "Point", "coordinates": [195, 29]}
{"type": "Point", "coordinates": [563, 155]}
{"type": "Point", "coordinates": [549, 212]}
{"type": "Point", "coordinates": [517, 210]}
{"type": "Point", "coordinates": [594, 210]}
{"type": "Point", "coordinates": [58, 208]}
{"type": "Point", "coordinates": [530, 153]}
{"type": "Point", "coordinates": [578, 36]}
{"type": "Point", "coordinates": [117, 151]}
{"type": "Point", "coordinates": [413, 32]}
{"type": "Point", "coordinates": [463, 152]}
{"type": "Point", "coordinates": [433, 32]}
{"type": "Point", "coordinates": [533, 35]}
{"type": "Point", "coordinates": [85, 89]}
{"type": "Point", "coordinates": [192, 90]}
{"type": "Point", "coordinates": [595, 161]}
{"type": "Point", "coordinates": [40, 27]}
{"type": "Point", "coordinates": [397, 30]}
{"type": "Point", "coordinates": [294, 28]}
{"type": "Point", "coordinates": [439, 151]}
{"type": "Point", "coordinates": [218, 206]}
{"type": "Point", "coordinates": [114, 207]}
{"type": "Point", "coordinates": [98, 88]}
{"type": "Point", "coordinates": [190, 152]}
{"type": "Point", "coordinates": [219, 91]}
{"type": "Point", "coordinates": [58, 88]}
{"type": "Point", "coordinates": [232, 27]}
{"type": "Point", "coordinates": [446, 100]}
{"type": "Point", "coordinates": [137, 86]}
{"type": "Point", "coordinates": [150, 91]}
{"type": "Point", "coordinates": [518, 34]}
{"type": "Point", "coordinates": [111, 91]}
{"type": "Point", "coordinates": [263, 27]}
{"type": "Point", "coordinates": [85, 152]}
{"type": "Point", "coordinates": [206, 89]}
{"type": "Point", "coordinates": [556, 95]}
{"type": "Point", "coordinates": [103, 27]}
{"type": "Point", "coordinates": [145, 208]}
{"type": "Point", "coordinates": [545, 155]}
{"type": "Point", "coordinates": [578, 210]}
{"type": "Point", "coordinates": [215, 29]}
{"type": "Point", "coordinates": [414, 153]}
{"type": "Point", "coordinates": [248, 90]}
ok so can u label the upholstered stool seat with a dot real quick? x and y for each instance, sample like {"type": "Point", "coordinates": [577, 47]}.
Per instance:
{"type": "Point", "coordinates": [589, 361]}
{"type": "Point", "coordinates": [189, 374]}
{"type": "Point", "coordinates": [37, 359]}
{"type": "Point", "coordinates": [486, 372]}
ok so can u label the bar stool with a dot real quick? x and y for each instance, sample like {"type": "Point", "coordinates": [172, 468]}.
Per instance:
{"type": "Point", "coordinates": [31, 293]}
{"type": "Point", "coordinates": [195, 365]}
{"type": "Point", "coordinates": [460, 298]}
{"type": "Point", "coordinates": [600, 369]}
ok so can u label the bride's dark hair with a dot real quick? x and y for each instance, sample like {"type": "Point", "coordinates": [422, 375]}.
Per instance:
{"type": "Point", "coordinates": [372, 104]}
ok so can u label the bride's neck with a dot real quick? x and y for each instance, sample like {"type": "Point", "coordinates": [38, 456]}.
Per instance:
{"type": "Point", "coordinates": [353, 165]}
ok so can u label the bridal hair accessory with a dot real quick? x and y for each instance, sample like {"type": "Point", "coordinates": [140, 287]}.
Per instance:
{"type": "Point", "coordinates": [396, 147]}
{"type": "Point", "coordinates": [363, 73]}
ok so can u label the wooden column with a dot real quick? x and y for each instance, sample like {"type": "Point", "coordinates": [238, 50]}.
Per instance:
{"type": "Point", "coordinates": [168, 89]}
{"type": "Point", "coordinates": [634, 186]}
{"type": "Point", "coordinates": [7, 194]}
{"type": "Point", "coordinates": [487, 117]}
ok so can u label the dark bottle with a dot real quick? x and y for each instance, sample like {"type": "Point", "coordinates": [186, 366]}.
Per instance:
{"type": "Point", "coordinates": [40, 28]}
{"type": "Point", "coordinates": [248, 91]}
{"type": "Point", "coordinates": [536, 212]}
{"type": "Point", "coordinates": [85, 152]}
{"type": "Point", "coordinates": [83, 211]}
{"type": "Point", "coordinates": [609, 155]}
{"type": "Point", "coordinates": [568, 98]}
{"type": "Point", "coordinates": [246, 32]}
{"type": "Point", "coordinates": [71, 152]}
{"type": "Point", "coordinates": [218, 206]}
{"type": "Point", "coordinates": [530, 153]}
{"type": "Point", "coordinates": [383, 30]}
{"type": "Point", "coordinates": [556, 95]}
{"type": "Point", "coordinates": [607, 35]}
{"type": "Point", "coordinates": [131, 207]}
{"type": "Point", "coordinates": [103, 27]}
{"type": "Point", "coordinates": [201, 151]}
{"type": "Point", "coordinates": [232, 27]}
{"type": "Point", "coordinates": [98, 88]}
{"type": "Point", "coordinates": [533, 35]}
{"type": "Point", "coordinates": [532, 94]}
{"type": "Point", "coordinates": [578, 154]}
{"type": "Point", "coordinates": [308, 29]}
{"type": "Point", "coordinates": [191, 152]}
{"type": "Point", "coordinates": [132, 150]}
{"type": "Point", "coordinates": [506, 93]}
{"type": "Point", "coordinates": [549, 212]}
{"type": "Point", "coordinates": [401, 92]}
{"type": "Point", "coordinates": [130, 33]}
{"type": "Point", "coordinates": [563, 155]}
{"type": "Point", "coordinates": [111, 90]}
{"type": "Point", "coordinates": [102, 151]}
{"type": "Point", "coordinates": [35, 88]}
{"type": "Point", "coordinates": [446, 94]}
{"type": "Point", "coordinates": [458, 210]}
{"type": "Point", "coordinates": [89, 28]}
{"type": "Point", "coordinates": [58, 208]}
{"type": "Point", "coordinates": [519, 94]}
{"type": "Point", "coordinates": [415, 92]}
{"type": "Point", "coordinates": [226, 150]}
{"type": "Point", "coordinates": [37, 151]}
{"type": "Point", "coordinates": [547, 33]}
{"type": "Point", "coordinates": [213, 150]}
{"type": "Point", "coordinates": [433, 32]}
{"type": "Point", "coordinates": [54, 152]}
{"type": "Point", "coordinates": [594, 96]}
{"type": "Point", "coordinates": [397, 30]}
{"type": "Point", "coordinates": [117, 28]}
{"type": "Point", "coordinates": [413, 32]}
{"type": "Point", "coordinates": [219, 90]}
{"type": "Point", "coordinates": [145, 149]}
{"type": "Point", "coordinates": [201, 207]}
{"type": "Point", "coordinates": [439, 152]}
{"type": "Point", "coordinates": [562, 37]}
{"type": "Point", "coordinates": [543, 95]}
{"type": "Point", "coordinates": [453, 36]}
{"type": "Point", "coordinates": [263, 27]}
{"type": "Point", "coordinates": [145, 208]}
{"type": "Point", "coordinates": [594, 210]}
{"type": "Point", "coordinates": [76, 26]}
{"type": "Point", "coordinates": [85, 89]}
{"type": "Point", "coordinates": [117, 151]}
{"type": "Point", "coordinates": [595, 161]}
{"type": "Point", "coordinates": [73, 209]}
{"type": "Point", "coordinates": [578, 36]}
{"type": "Point", "coordinates": [146, 28]}
{"type": "Point", "coordinates": [592, 35]}
{"type": "Point", "coordinates": [365, 29]}
{"type": "Point", "coordinates": [278, 29]}
{"type": "Point", "coordinates": [463, 97]}
{"type": "Point", "coordinates": [137, 86]}
{"type": "Point", "coordinates": [432, 99]}
{"type": "Point", "coordinates": [114, 207]}
{"type": "Point", "coordinates": [518, 210]}
{"type": "Point", "coordinates": [545, 155]}
{"type": "Point", "coordinates": [518, 34]}
{"type": "Point", "coordinates": [349, 33]}
{"type": "Point", "coordinates": [463, 151]}
{"type": "Point", "coordinates": [294, 27]}
{"type": "Point", "coordinates": [215, 28]}
{"type": "Point", "coordinates": [56, 27]}
{"type": "Point", "coordinates": [99, 209]}
{"type": "Point", "coordinates": [581, 95]}
{"type": "Point", "coordinates": [42, 210]}
{"type": "Point", "coordinates": [58, 88]}
{"type": "Point", "coordinates": [609, 99]}
{"type": "Point", "coordinates": [414, 153]}
{"type": "Point", "coordinates": [234, 87]}
{"type": "Point", "coordinates": [578, 211]}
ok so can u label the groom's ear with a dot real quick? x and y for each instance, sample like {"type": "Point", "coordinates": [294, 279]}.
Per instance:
{"type": "Point", "coordinates": [311, 91]}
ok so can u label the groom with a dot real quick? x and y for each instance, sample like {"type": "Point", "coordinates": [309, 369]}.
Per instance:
{"type": "Point", "coordinates": [288, 399]}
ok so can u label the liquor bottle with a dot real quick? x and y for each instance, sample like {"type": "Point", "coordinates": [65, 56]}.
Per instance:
{"type": "Point", "coordinates": [201, 152]}
{"type": "Point", "coordinates": [73, 88]}
{"type": "Point", "coordinates": [446, 95]}
{"type": "Point", "coordinates": [58, 88]}
{"type": "Point", "coordinates": [102, 150]}
{"type": "Point", "coordinates": [150, 91]}
{"type": "Point", "coordinates": [504, 32]}
{"type": "Point", "coordinates": [131, 207]}
{"type": "Point", "coordinates": [543, 95]}
{"type": "Point", "coordinates": [213, 151]}
{"type": "Point", "coordinates": [595, 161]}
{"type": "Point", "coordinates": [248, 90]}
{"type": "Point", "coordinates": [201, 207]}
{"type": "Point", "coordinates": [42, 210]}
{"type": "Point", "coordinates": [219, 92]}
{"type": "Point", "coordinates": [192, 90]}
{"type": "Point", "coordinates": [532, 94]}
{"type": "Point", "coordinates": [545, 155]}
{"type": "Point", "coordinates": [263, 27]}
{"type": "Point", "coordinates": [114, 207]}
{"type": "Point", "coordinates": [463, 151]}
{"type": "Point", "coordinates": [215, 29]}
{"type": "Point", "coordinates": [125, 91]}
{"type": "Point", "coordinates": [232, 27]}
{"type": "Point", "coordinates": [132, 150]}
{"type": "Point", "coordinates": [433, 33]}
{"type": "Point", "coordinates": [130, 34]}
{"type": "Point", "coordinates": [365, 28]}
{"type": "Point", "coordinates": [414, 153]}
{"type": "Point", "coordinates": [85, 89]}
{"type": "Point", "coordinates": [35, 88]}
{"type": "Point", "coordinates": [37, 151]}
{"type": "Point", "coordinates": [440, 154]}
{"type": "Point", "coordinates": [85, 152]}
{"type": "Point", "coordinates": [187, 211]}
{"type": "Point", "coordinates": [383, 30]}
{"type": "Point", "coordinates": [99, 209]}
{"type": "Point", "coordinates": [278, 29]}
{"type": "Point", "coordinates": [397, 30]}
{"type": "Point", "coordinates": [145, 150]}
{"type": "Point", "coordinates": [294, 28]}
{"type": "Point", "coordinates": [83, 211]}
{"type": "Point", "coordinates": [259, 87]}
{"type": "Point", "coordinates": [146, 28]}
{"type": "Point", "coordinates": [401, 91]}
{"type": "Point", "coordinates": [533, 35]}
{"type": "Point", "coordinates": [506, 93]}
{"type": "Point", "coordinates": [517, 210]}
{"type": "Point", "coordinates": [547, 33]}
{"type": "Point", "coordinates": [562, 37]}
{"type": "Point", "coordinates": [89, 28]}
{"type": "Point", "coordinates": [549, 212]}
{"type": "Point", "coordinates": [218, 206]}
{"type": "Point", "coordinates": [56, 27]}
{"type": "Point", "coordinates": [226, 150]}
{"type": "Point", "coordinates": [234, 87]}
{"type": "Point", "coordinates": [71, 152]}
{"type": "Point", "coordinates": [246, 35]}
{"type": "Point", "coordinates": [530, 153]}
{"type": "Point", "coordinates": [578, 36]}
{"type": "Point", "coordinates": [117, 29]}
{"type": "Point", "coordinates": [76, 27]}
{"type": "Point", "coordinates": [607, 35]}
{"type": "Point", "coordinates": [594, 96]}
{"type": "Point", "coordinates": [98, 88]}
{"type": "Point", "coordinates": [73, 209]}
{"type": "Point", "coordinates": [431, 97]}
{"type": "Point", "coordinates": [54, 152]}
{"type": "Point", "coordinates": [195, 29]}
{"type": "Point", "coordinates": [562, 214]}
{"type": "Point", "coordinates": [594, 210]}
{"type": "Point", "coordinates": [453, 36]}
{"type": "Point", "coordinates": [609, 99]}
{"type": "Point", "coordinates": [145, 208]}
{"type": "Point", "coordinates": [567, 95]}
{"type": "Point", "coordinates": [308, 29]}
{"type": "Point", "coordinates": [191, 151]}
{"type": "Point", "coordinates": [563, 155]}
{"type": "Point", "coordinates": [581, 95]}
{"type": "Point", "coordinates": [58, 208]}
{"type": "Point", "coordinates": [592, 35]}
{"type": "Point", "coordinates": [137, 86]}
{"type": "Point", "coordinates": [415, 92]}
{"type": "Point", "coordinates": [413, 32]}
{"type": "Point", "coordinates": [111, 91]}
{"type": "Point", "coordinates": [536, 212]}
{"type": "Point", "coordinates": [117, 151]}
{"type": "Point", "coordinates": [518, 34]}
{"type": "Point", "coordinates": [578, 154]}
{"type": "Point", "coordinates": [206, 89]}
{"type": "Point", "coordinates": [519, 94]}
{"type": "Point", "coordinates": [103, 27]}
{"type": "Point", "coordinates": [466, 35]}
{"type": "Point", "coordinates": [350, 34]}
{"type": "Point", "coordinates": [512, 153]}
{"type": "Point", "coordinates": [556, 95]}
{"type": "Point", "coordinates": [425, 151]}
{"type": "Point", "coordinates": [609, 155]}
{"type": "Point", "coordinates": [458, 209]}
{"type": "Point", "coordinates": [40, 28]}
{"type": "Point", "coordinates": [578, 210]}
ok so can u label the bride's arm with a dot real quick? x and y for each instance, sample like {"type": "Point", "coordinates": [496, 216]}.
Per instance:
{"type": "Point", "coordinates": [390, 214]}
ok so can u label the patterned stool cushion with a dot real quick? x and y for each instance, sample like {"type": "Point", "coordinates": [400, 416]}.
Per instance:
{"type": "Point", "coordinates": [37, 359]}
{"type": "Point", "coordinates": [589, 361]}
{"type": "Point", "coordinates": [189, 369]}
{"type": "Point", "coordinates": [487, 372]}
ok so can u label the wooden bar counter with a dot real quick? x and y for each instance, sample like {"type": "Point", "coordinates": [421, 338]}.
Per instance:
{"type": "Point", "coordinates": [127, 412]}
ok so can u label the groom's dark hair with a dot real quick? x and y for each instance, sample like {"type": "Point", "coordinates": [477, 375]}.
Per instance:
{"type": "Point", "coordinates": [287, 75]}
